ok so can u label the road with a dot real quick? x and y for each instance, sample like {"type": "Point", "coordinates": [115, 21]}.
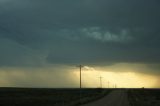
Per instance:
{"type": "Point", "coordinates": [115, 98]}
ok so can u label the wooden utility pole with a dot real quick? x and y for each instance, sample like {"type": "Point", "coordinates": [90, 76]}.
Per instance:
{"type": "Point", "coordinates": [108, 84]}
{"type": "Point", "coordinates": [80, 67]}
{"type": "Point", "coordinates": [100, 81]}
{"type": "Point", "coordinates": [80, 74]}
{"type": "Point", "coordinates": [115, 85]}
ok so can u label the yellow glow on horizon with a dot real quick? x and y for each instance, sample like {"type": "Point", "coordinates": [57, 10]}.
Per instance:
{"type": "Point", "coordinates": [121, 79]}
{"type": "Point", "coordinates": [129, 79]}
{"type": "Point", "coordinates": [123, 75]}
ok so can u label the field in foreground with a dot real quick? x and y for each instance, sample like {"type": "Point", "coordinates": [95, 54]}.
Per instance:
{"type": "Point", "coordinates": [48, 97]}
{"type": "Point", "coordinates": [144, 97]}
{"type": "Point", "coordinates": [75, 97]}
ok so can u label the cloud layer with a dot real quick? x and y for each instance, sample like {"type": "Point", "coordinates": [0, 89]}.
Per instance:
{"type": "Point", "coordinates": [36, 32]}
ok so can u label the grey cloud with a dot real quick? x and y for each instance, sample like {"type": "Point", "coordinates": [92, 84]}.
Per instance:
{"type": "Point", "coordinates": [13, 54]}
{"type": "Point", "coordinates": [96, 33]}
{"type": "Point", "coordinates": [86, 31]}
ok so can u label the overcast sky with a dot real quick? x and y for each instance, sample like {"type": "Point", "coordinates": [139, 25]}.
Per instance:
{"type": "Point", "coordinates": [36, 33]}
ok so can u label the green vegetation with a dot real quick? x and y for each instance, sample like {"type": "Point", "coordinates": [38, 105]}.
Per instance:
{"type": "Point", "coordinates": [144, 97]}
{"type": "Point", "coordinates": [48, 97]}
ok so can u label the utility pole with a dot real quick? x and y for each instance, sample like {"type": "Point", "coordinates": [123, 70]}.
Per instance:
{"type": "Point", "coordinates": [80, 67]}
{"type": "Point", "coordinates": [115, 86]}
{"type": "Point", "coordinates": [108, 84]}
{"type": "Point", "coordinates": [100, 81]}
{"type": "Point", "coordinates": [80, 73]}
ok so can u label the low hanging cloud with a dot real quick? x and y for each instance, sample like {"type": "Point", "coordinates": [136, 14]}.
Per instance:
{"type": "Point", "coordinates": [105, 36]}
{"type": "Point", "coordinates": [88, 68]}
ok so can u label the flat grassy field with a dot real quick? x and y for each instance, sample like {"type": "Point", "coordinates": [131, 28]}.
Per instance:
{"type": "Point", "coordinates": [48, 97]}
{"type": "Point", "coordinates": [144, 97]}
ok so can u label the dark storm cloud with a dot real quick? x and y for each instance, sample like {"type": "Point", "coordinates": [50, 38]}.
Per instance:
{"type": "Point", "coordinates": [84, 31]}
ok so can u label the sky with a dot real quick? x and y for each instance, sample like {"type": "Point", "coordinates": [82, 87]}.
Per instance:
{"type": "Point", "coordinates": [42, 42]}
